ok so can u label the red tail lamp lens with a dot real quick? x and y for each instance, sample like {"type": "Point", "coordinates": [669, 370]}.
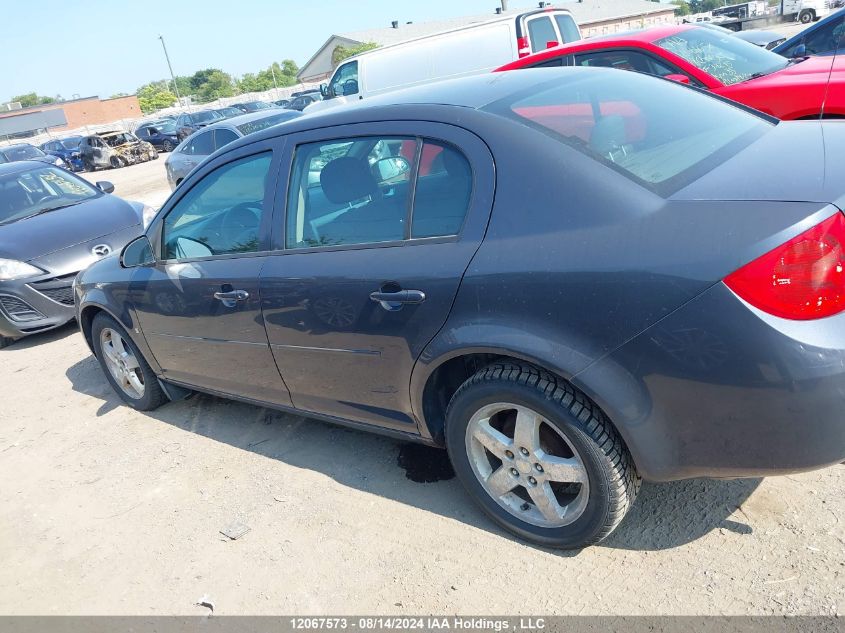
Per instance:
{"type": "Point", "coordinates": [801, 279]}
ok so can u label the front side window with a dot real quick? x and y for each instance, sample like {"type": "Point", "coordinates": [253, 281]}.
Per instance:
{"type": "Point", "coordinates": [206, 116]}
{"type": "Point", "coordinates": [40, 191]}
{"type": "Point", "coordinates": [630, 123]}
{"type": "Point", "coordinates": [222, 214]}
{"type": "Point", "coordinates": [825, 39]}
{"type": "Point", "coordinates": [725, 57]}
{"type": "Point", "coordinates": [358, 191]}
{"type": "Point", "coordinates": [345, 80]}
{"type": "Point", "coordinates": [541, 31]}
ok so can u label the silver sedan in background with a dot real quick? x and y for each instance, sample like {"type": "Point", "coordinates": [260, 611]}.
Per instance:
{"type": "Point", "coordinates": [202, 143]}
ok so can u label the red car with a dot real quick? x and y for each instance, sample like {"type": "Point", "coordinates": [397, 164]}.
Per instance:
{"type": "Point", "coordinates": [785, 88]}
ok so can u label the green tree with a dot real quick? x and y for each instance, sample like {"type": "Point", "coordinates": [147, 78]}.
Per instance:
{"type": "Point", "coordinates": [681, 7]}
{"type": "Point", "coordinates": [201, 77]}
{"type": "Point", "coordinates": [343, 52]}
{"type": "Point", "coordinates": [217, 84]}
{"type": "Point", "coordinates": [32, 99]}
{"type": "Point", "coordinates": [702, 6]}
{"type": "Point", "coordinates": [155, 96]}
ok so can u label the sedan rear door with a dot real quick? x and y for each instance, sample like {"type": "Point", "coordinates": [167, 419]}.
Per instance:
{"type": "Point", "coordinates": [375, 229]}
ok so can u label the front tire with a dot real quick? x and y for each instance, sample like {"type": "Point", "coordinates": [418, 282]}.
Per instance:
{"type": "Point", "coordinates": [167, 146]}
{"type": "Point", "coordinates": [806, 16]}
{"type": "Point", "coordinates": [125, 368]}
{"type": "Point", "coordinates": [539, 457]}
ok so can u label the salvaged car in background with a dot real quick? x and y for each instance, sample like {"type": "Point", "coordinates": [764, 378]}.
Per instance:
{"type": "Point", "coordinates": [114, 149]}
{"type": "Point", "coordinates": [52, 225]}
{"type": "Point", "coordinates": [570, 278]}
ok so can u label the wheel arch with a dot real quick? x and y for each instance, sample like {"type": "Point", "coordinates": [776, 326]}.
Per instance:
{"type": "Point", "coordinates": [127, 320]}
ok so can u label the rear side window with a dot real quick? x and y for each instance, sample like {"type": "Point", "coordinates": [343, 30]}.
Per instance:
{"type": "Point", "coordinates": [201, 145]}
{"type": "Point", "coordinates": [567, 27]}
{"type": "Point", "coordinates": [630, 122]}
{"type": "Point", "coordinates": [541, 31]}
{"type": "Point", "coordinates": [223, 137]}
{"type": "Point", "coordinates": [376, 189]}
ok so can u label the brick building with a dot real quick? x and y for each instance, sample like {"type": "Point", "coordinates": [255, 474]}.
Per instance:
{"type": "Point", "coordinates": [86, 111]}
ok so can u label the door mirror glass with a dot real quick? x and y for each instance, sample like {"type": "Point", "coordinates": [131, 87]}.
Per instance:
{"type": "Point", "coordinates": [105, 186]}
{"type": "Point", "coordinates": [390, 168]}
{"type": "Point", "coordinates": [681, 79]}
{"type": "Point", "coordinates": [324, 90]}
{"type": "Point", "coordinates": [189, 248]}
{"type": "Point", "coordinates": [799, 51]}
{"type": "Point", "coordinates": [139, 252]}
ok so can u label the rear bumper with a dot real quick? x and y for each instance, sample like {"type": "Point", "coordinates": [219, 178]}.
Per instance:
{"type": "Point", "coordinates": [28, 306]}
{"type": "Point", "coordinates": [719, 389]}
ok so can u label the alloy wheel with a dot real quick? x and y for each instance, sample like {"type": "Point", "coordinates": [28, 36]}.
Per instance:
{"type": "Point", "coordinates": [122, 363]}
{"type": "Point", "coordinates": [527, 465]}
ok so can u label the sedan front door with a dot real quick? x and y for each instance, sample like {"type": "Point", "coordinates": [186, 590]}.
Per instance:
{"type": "Point", "coordinates": [381, 222]}
{"type": "Point", "coordinates": [199, 307]}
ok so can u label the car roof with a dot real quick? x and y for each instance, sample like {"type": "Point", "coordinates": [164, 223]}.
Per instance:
{"type": "Point", "coordinates": [2, 147]}
{"type": "Point", "coordinates": [474, 92]}
{"type": "Point", "coordinates": [627, 38]}
{"type": "Point", "coordinates": [20, 166]}
{"type": "Point", "coordinates": [235, 121]}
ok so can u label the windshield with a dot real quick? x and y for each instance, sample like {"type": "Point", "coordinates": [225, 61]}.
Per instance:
{"type": "Point", "coordinates": [261, 124]}
{"type": "Point", "coordinates": [40, 190]}
{"type": "Point", "coordinates": [726, 57]}
{"type": "Point", "coordinates": [71, 143]}
{"type": "Point", "coordinates": [205, 116]}
{"type": "Point", "coordinates": [22, 152]}
{"type": "Point", "coordinates": [166, 127]}
{"type": "Point", "coordinates": [630, 123]}
{"type": "Point", "coordinates": [229, 112]}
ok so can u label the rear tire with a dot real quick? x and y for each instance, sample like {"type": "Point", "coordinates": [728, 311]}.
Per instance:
{"type": "Point", "coordinates": [564, 479]}
{"type": "Point", "coordinates": [121, 359]}
{"type": "Point", "coordinates": [805, 17]}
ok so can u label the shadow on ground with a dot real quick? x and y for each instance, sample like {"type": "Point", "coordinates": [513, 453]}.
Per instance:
{"type": "Point", "coordinates": [42, 338]}
{"type": "Point", "coordinates": [665, 516]}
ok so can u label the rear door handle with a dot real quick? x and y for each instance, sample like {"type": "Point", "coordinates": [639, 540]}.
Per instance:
{"type": "Point", "coordinates": [232, 297]}
{"type": "Point", "coordinates": [400, 296]}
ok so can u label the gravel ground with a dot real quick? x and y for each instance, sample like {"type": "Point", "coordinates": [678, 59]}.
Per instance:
{"type": "Point", "coordinates": [105, 510]}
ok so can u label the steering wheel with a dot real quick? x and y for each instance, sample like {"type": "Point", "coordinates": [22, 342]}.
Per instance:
{"type": "Point", "coordinates": [242, 221]}
{"type": "Point", "coordinates": [350, 87]}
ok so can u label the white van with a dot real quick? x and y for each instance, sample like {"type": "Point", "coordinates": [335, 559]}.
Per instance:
{"type": "Point", "coordinates": [472, 49]}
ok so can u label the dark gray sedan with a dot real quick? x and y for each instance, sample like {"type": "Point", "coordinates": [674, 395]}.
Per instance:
{"type": "Point", "coordinates": [52, 225]}
{"type": "Point", "coordinates": [549, 273]}
{"type": "Point", "coordinates": [201, 144]}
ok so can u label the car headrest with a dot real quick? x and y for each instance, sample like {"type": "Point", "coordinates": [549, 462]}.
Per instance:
{"type": "Point", "coordinates": [608, 135]}
{"type": "Point", "coordinates": [346, 179]}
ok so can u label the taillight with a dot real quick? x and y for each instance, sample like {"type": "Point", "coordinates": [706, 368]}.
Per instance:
{"type": "Point", "coordinates": [523, 48]}
{"type": "Point", "coordinates": [801, 279]}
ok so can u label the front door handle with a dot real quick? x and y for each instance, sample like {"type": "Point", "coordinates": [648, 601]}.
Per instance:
{"type": "Point", "coordinates": [231, 298]}
{"type": "Point", "coordinates": [400, 296]}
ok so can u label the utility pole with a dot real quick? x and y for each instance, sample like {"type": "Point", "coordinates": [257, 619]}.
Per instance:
{"type": "Point", "coordinates": [172, 76]}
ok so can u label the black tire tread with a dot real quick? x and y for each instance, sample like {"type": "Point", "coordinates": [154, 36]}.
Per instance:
{"type": "Point", "coordinates": [154, 394]}
{"type": "Point", "coordinates": [624, 481]}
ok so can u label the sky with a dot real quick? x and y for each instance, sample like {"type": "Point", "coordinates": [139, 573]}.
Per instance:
{"type": "Point", "coordinates": [98, 47]}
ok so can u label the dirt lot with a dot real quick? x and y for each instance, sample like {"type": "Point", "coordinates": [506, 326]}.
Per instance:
{"type": "Point", "coordinates": [108, 511]}
{"type": "Point", "coordinates": [145, 182]}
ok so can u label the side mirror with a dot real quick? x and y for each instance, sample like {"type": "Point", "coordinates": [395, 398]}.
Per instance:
{"type": "Point", "coordinates": [390, 168]}
{"type": "Point", "coordinates": [138, 252]}
{"type": "Point", "coordinates": [799, 51]}
{"type": "Point", "coordinates": [324, 90]}
{"type": "Point", "coordinates": [105, 186]}
{"type": "Point", "coordinates": [681, 79]}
